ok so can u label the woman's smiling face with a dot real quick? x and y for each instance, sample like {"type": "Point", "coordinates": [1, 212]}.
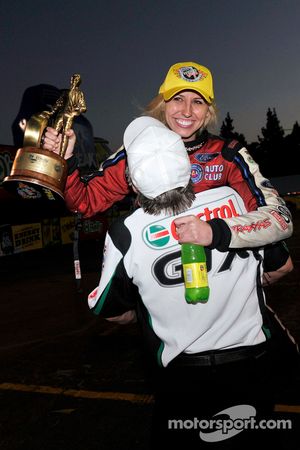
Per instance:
{"type": "Point", "coordinates": [186, 113]}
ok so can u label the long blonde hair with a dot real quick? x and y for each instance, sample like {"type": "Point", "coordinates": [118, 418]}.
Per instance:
{"type": "Point", "coordinates": [157, 106]}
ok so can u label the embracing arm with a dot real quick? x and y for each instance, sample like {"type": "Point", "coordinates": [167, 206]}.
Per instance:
{"type": "Point", "coordinates": [277, 263]}
{"type": "Point", "coordinates": [93, 193]}
{"type": "Point", "coordinates": [275, 275]}
{"type": "Point", "coordinates": [268, 219]}
{"type": "Point", "coordinates": [265, 221]}
{"type": "Point", "coordinates": [100, 190]}
{"type": "Point", "coordinates": [124, 319]}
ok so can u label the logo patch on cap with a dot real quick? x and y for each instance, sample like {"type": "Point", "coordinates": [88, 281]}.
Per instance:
{"type": "Point", "coordinates": [190, 73]}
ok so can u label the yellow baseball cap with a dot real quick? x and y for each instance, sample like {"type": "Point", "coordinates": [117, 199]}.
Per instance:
{"type": "Point", "coordinates": [188, 76]}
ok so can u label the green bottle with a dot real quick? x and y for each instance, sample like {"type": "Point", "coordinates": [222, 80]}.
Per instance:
{"type": "Point", "coordinates": [193, 260]}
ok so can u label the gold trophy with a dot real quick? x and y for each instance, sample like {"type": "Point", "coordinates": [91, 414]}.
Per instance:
{"type": "Point", "coordinates": [37, 172]}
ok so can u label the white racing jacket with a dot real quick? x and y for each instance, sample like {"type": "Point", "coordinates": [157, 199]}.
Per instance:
{"type": "Point", "coordinates": [142, 270]}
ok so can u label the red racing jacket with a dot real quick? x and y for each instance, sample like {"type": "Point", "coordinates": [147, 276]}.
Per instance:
{"type": "Point", "coordinates": [215, 162]}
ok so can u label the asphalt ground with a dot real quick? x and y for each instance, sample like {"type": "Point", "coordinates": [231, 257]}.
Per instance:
{"type": "Point", "coordinates": [72, 380]}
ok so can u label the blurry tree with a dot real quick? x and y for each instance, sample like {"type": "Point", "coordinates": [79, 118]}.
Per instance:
{"type": "Point", "coordinates": [270, 151]}
{"type": "Point", "coordinates": [274, 151]}
{"type": "Point", "coordinates": [292, 150]}
{"type": "Point", "coordinates": [227, 131]}
{"type": "Point", "coordinates": [293, 139]}
{"type": "Point", "coordinates": [273, 133]}
{"type": "Point", "coordinates": [296, 131]}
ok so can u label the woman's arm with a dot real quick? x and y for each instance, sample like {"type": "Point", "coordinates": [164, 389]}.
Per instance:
{"type": "Point", "coordinates": [96, 192]}
{"type": "Point", "coordinates": [275, 275]}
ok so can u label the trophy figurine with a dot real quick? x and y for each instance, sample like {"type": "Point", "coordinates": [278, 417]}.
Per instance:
{"type": "Point", "coordinates": [37, 172]}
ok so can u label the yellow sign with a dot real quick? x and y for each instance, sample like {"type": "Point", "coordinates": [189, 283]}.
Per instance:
{"type": "Point", "coordinates": [51, 231]}
{"type": "Point", "coordinates": [27, 237]}
{"type": "Point", "coordinates": [67, 229]}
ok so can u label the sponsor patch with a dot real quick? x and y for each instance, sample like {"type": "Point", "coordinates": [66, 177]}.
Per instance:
{"type": "Point", "coordinates": [213, 172]}
{"type": "Point", "coordinates": [206, 157]}
{"type": "Point", "coordinates": [196, 173]}
{"type": "Point", "coordinates": [285, 213]}
{"type": "Point", "coordinates": [26, 191]}
{"type": "Point", "coordinates": [280, 220]}
{"type": "Point", "coordinates": [163, 233]}
{"type": "Point", "coordinates": [94, 293]}
{"type": "Point", "coordinates": [157, 236]}
{"type": "Point", "coordinates": [190, 73]}
{"type": "Point", "coordinates": [256, 226]}
{"type": "Point", "coordinates": [267, 183]}
{"type": "Point", "coordinates": [233, 143]}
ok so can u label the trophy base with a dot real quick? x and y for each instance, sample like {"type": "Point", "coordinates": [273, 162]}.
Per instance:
{"type": "Point", "coordinates": [37, 174]}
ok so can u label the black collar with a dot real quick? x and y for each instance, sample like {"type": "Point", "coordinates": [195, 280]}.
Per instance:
{"type": "Point", "coordinates": [192, 146]}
